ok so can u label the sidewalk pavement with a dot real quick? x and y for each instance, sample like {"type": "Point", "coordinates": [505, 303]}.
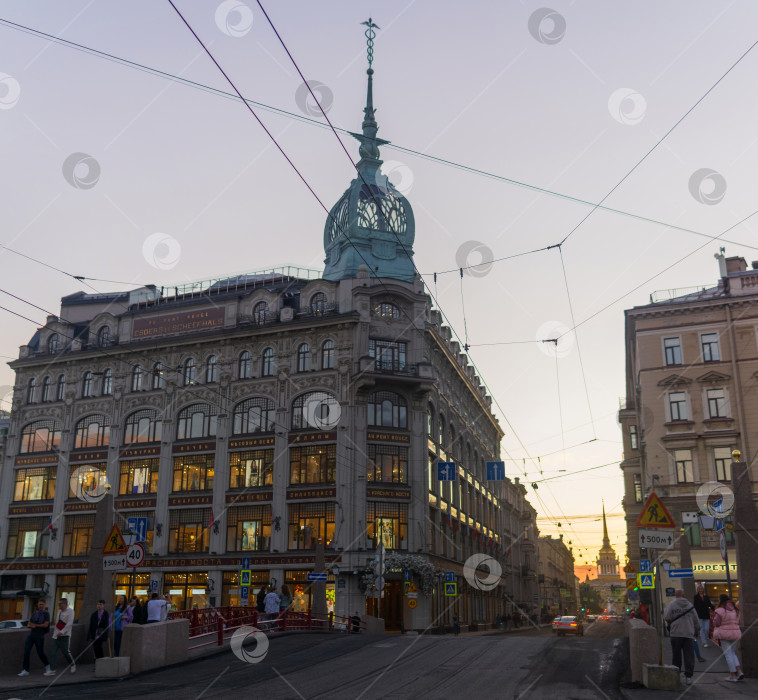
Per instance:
{"type": "Point", "coordinates": [707, 684]}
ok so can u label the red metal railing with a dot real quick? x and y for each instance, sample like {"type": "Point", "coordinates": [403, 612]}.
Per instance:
{"type": "Point", "coordinates": [209, 626]}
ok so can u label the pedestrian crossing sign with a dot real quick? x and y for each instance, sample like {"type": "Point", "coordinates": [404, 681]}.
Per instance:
{"type": "Point", "coordinates": [451, 589]}
{"type": "Point", "coordinates": [654, 513]}
{"type": "Point", "coordinates": [245, 577]}
{"type": "Point", "coordinates": [645, 580]}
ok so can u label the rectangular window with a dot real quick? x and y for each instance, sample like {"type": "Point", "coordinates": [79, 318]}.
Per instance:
{"type": "Point", "coordinates": [138, 476]}
{"type": "Point", "coordinates": [387, 523]}
{"type": "Point", "coordinates": [309, 522]}
{"type": "Point", "coordinates": [716, 403]}
{"type": "Point", "coordinates": [248, 529]}
{"type": "Point", "coordinates": [313, 465]}
{"type": "Point", "coordinates": [251, 469]}
{"type": "Point", "coordinates": [633, 437]}
{"type": "Point", "coordinates": [37, 484]}
{"type": "Point", "coordinates": [683, 460]}
{"type": "Point", "coordinates": [637, 488]}
{"type": "Point", "coordinates": [78, 535]}
{"type": "Point", "coordinates": [678, 405]}
{"type": "Point", "coordinates": [92, 481]}
{"type": "Point", "coordinates": [710, 345]}
{"type": "Point", "coordinates": [194, 473]}
{"type": "Point", "coordinates": [692, 530]}
{"type": "Point", "coordinates": [388, 354]}
{"type": "Point", "coordinates": [722, 457]}
{"type": "Point", "coordinates": [673, 351]}
{"type": "Point", "coordinates": [388, 463]}
{"type": "Point", "coordinates": [188, 530]}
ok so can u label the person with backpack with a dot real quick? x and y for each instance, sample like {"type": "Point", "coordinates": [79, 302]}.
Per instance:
{"type": "Point", "coordinates": [683, 626]}
{"type": "Point", "coordinates": [39, 626]}
{"type": "Point", "coordinates": [726, 630]}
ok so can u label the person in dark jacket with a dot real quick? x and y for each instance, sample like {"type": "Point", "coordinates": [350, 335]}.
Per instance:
{"type": "Point", "coordinates": [40, 626]}
{"type": "Point", "coordinates": [703, 608]}
{"type": "Point", "coordinates": [260, 605]}
{"type": "Point", "coordinates": [98, 628]}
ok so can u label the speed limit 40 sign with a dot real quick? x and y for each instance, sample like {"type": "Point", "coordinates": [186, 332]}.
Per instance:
{"type": "Point", "coordinates": [135, 555]}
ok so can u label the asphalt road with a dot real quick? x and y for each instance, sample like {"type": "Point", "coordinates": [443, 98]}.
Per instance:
{"type": "Point", "coordinates": [526, 665]}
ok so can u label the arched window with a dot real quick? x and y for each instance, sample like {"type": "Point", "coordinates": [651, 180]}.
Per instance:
{"type": "Point", "coordinates": [103, 337]}
{"type": "Point", "coordinates": [41, 436]}
{"type": "Point", "coordinates": [60, 389]}
{"type": "Point", "coordinates": [107, 382]}
{"type": "Point", "coordinates": [253, 416]}
{"type": "Point", "coordinates": [267, 368]}
{"type": "Point", "coordinates": [260, 312]}
{"type": "Point", "coordinates": [31, 390]}
{"type": "Point", "coordinates": [143, 426]}
{"type": "Point", "coordinates": [318, 303]}
{"type": "Point", "coordinates": [188, 376]}
{"type": "Point", "coordinates": [87, 382]}
{"type": "Point", "coordinates": [54, 344]}
{"type": "Point", "coordinates": [316, 410]}
{"type": "Point", "coordinates": [327, 355]}
{"type": "Point", "coordinates": [245, 363]}
{"type": "Point", "coordinates": [430, 422]}
{"type": "Point", "coordinates": [92, 431]}
{"type": "Point", "coordinates": [387, 409]}
{"type": "Point", "coordinates": [158, 375]}
{"type": "Point", "coordinates": [137, 378]}
{"type": "Point", "coordinates": [211, 369]}
{"type": "Point", "coordinates": [442, 434]}
{"type": "Point", "coordinates": [386, 310]}
{"type": "Point", "coordinates": [303, 358]}
{"type": "Point", "coordinates": [45, 390]}
{"type": "Point", "coordinates": [197, 421]}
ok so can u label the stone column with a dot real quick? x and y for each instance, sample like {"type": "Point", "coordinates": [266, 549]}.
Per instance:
{"type": "Point", "coordinates": [165, 483]}
{"type": "Point", "coordinates": [220, 486]}
{"type": "Point", "coordinates": [279, 537]}
{"type": "Point", "coordinates": [98, 583]}
{"type": "Point", "coordinates": [745, 518]}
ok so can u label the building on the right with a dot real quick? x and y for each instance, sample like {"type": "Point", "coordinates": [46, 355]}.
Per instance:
{"type": "Point", "coordinates": [691, 398]}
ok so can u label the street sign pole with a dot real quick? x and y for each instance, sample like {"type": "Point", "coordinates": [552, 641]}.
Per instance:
{"type": "Point", "coordinates": [726, 562]}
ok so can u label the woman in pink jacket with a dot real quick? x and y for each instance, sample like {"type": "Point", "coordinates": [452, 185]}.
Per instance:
{"type": "Point", "coordinates": [726, 623]}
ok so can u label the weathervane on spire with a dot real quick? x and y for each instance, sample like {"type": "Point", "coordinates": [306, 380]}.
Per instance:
{"type": "Point", "coordinates": [370, 36]}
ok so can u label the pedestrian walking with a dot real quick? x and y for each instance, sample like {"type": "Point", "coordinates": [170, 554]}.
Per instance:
{"type": "Point", "coordinates": [703, 608]}
{"type": "Point", "coordinates": [683, 626]}
{"type": "Point", "coordinates": [260, 598]}
{"type": "Point", "coordinates": [271, 605]}
{"type": "Point", "coordinates": [99, 623]}
{"type": "Point", "coordinates": [138, 611]}
{"type": "Point", "coordinates": [120, 620]}
{"type": "Point", "coordinates": [356, 620]}
{"type": "Point", "coordinates": [456, 625]}
{"type": "Point", "coordinates": [285, 598]}
{"type": "Point", "coordinates": [39, 626]}
{"type": "Point", "coordinates": [64, 622]}
{"type": "Point", "coordinates": [726, 630]}
{"type": "Point", "coordinates": [155, 608]}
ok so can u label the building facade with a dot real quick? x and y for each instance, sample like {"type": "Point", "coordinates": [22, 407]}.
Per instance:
{"type": "Point", "coordinates": [691, 369]}
{"type": "Point", "coordinates": [557, 580]}
{"type": "Point", "coordinates": [257, 416]}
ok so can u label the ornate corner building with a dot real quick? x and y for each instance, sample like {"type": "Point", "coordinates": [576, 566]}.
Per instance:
{"type": "Point", "coordinates": [257, 415]}
{"type": "Point", "coordinates": [691, 371]}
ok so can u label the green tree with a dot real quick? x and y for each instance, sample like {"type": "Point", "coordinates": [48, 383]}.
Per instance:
{"type": "Point", "coordinates": [590, 599]}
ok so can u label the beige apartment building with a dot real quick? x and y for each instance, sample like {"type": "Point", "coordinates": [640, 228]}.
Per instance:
{"type": "Point", "coordinates": [557, 580]}
{"type": "Point", "coordinates": [691, 398]}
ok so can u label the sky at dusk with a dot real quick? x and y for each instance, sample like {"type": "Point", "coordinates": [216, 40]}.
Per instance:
{"type": "Point", "coordinates": [114, 169]}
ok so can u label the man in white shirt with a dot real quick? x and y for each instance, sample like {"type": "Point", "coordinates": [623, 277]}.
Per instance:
{"type": "Point", "coordinates": [271, 606]}
{"type": "Point", "coordinates": [155, 608]}
{"type": "Point", "coordinates": [64, 622]}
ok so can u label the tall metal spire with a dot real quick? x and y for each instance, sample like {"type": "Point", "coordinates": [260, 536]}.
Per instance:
{"type": "Point", "coordinates": [606, 539]}
{"type": "Point", "coordinates": [369, 150]}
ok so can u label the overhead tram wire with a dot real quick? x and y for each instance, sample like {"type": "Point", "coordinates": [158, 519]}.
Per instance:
{"type": "Point", "coordinates": [660, 141]}
{"type": "Point", "coordinates": [314, 122]}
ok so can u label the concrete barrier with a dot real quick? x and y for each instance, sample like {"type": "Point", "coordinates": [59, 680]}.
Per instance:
{"type": "Point", "coordinates": [12, 650]}
{"type": "Point", "coordinates": [112, 667]}
{"type": "Point", "coordinates": [644, 647]}
{"type": "Point", "coordinates": [655, 677]}
{"type": "Point", "coordinates": [155, 645]}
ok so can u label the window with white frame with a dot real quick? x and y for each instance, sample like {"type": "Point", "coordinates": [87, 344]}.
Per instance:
{"type": "Point", "coordinates": [673, 350]}
{"type": "Point", "coordinates": [634, 442]}
{"type": "Point", "coordinates": [716, 403]}
{"type": "Point", "coordinates": [211, 369]}
{"type": "Point", "coordinates": [637, 479]}
{"type": "Point", "coordinates": [245, 364]}
{"type": "Point", "coordinates": [709, 343]}
{"type": "Point", "coordinates": [722, 458]}
{"type": "Point", "coordinates": [678, 405]}
{"type": "Point", "coordinates": [683, 464]}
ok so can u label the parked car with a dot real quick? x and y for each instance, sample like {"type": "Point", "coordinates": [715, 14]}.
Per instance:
{"type": "Point", "coordinates": [556, 621]}
{"type": "Point", "coordinates": [569, 624]}
{"type": "Point", "coordinates": [13, 624]}
{"type": "Point", "coordinates": [591, 618]}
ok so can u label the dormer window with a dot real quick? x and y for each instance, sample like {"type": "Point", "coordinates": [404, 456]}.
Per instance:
{"type": "Point", "coordinates": [103, 337]}
{"type": "Point", "coordinates": [53, 344]}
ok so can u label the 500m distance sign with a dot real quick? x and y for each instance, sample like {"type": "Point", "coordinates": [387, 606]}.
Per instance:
{"type": "Point", "coordinates": [135, 555]}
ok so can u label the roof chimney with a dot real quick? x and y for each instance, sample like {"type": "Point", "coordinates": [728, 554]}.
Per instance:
{"type": "Point", "coordinates": [735, 264]}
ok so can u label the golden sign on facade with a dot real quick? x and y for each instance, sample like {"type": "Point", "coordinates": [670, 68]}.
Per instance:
{"type": "Point", "coordinates": [387, 437]}
{"type": "Point", "coordinates": [195, 447]}
{"type": "Point", "coordinates": [312, 493]}
{"type": "Point", "coordinates": [141, 452]}
{"type": "Point", "coordinates": [249, 497]}
{"type": "Point", "coordinates": [184, 322]}
{"type": "Point", "coordinates": [89, 456]}
{"type": "Point", "coordinates": [39, 459]}
{"type": "Point", "coordinates": [252, 442]}
{"type": "Point", "coordinates": [190, 500]}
